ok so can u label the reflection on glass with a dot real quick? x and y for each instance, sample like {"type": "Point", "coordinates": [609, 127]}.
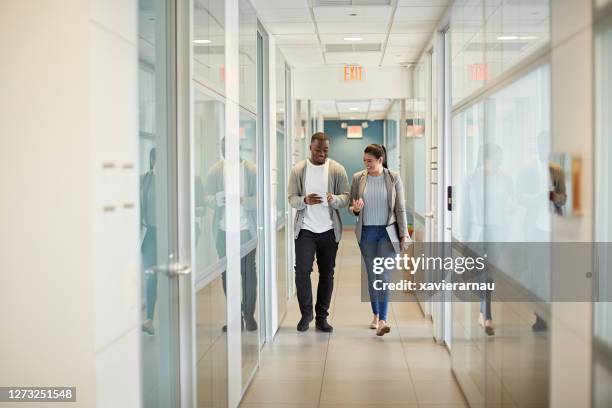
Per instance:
{"type": "Point", "coordinates": [209, 203]}
{"type": "Point", "coordinates": [490, 37]}
{"type": "Point", "coordinates": [281, 200]}
{"type": "Point", "coordinates": [158, 338]}
{"type": "Point", "coordinates": [248, 55]}
{"type": "Point", "coordinates": [506, 189]}
{"type": "Point", "coordinates": [209, 43]}
{"type": "Point", "coordinates": [602, 322]}
{"type": "Point", "coordinates": [248, 243]}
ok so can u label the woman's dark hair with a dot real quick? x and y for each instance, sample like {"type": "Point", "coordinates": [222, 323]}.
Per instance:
{"type": "Point", "coordinates": [377, 151]}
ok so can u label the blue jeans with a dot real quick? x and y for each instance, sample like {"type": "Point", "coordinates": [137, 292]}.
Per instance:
{"type": "Point", "coordinates": [375, 243]}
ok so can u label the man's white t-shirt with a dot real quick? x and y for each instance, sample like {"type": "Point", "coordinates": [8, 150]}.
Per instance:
{"type": "Point", "coordinates": [317, 218]}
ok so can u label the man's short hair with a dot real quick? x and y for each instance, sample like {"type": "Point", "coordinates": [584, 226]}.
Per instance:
{"type": "Point", "coordinates": [319, 136]}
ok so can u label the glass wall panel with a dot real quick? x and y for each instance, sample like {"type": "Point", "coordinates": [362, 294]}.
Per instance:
{"type": "Point", "coordinates": [467, 354]}
{"type": "Point", "coordinates": [248, 56]}
{"type": "Point", "coordinates": [210, 261]}
{"type": "Point", "coordinates": [488, 37]}
{"type": "Point", "coordinates": [518, 177]}
{"type": "Point", "coordinates": [159, 350]}
{"type": "Point", "coordinates": [209, 43]}
{"type": "Point", "coordinates": [211, 347]}
{"type": "Point", "coordinates": [248, 243]}
{"type": "Point", "coordinates": [281, 184]}
{"type": "Point", "coordinates": [502, 179]}
{"type": "Point", "coordinates": [602, 322]}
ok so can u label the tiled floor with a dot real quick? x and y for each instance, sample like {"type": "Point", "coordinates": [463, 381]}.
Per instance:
{"type": "Point", "coordinates": [352, 367]}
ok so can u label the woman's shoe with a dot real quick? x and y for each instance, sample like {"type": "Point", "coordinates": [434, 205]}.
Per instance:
{"type": "Point", "coordinates": [374, 324]}
{"type": "Point", "coordinates": [488, 327]}
{"type": "Point", "coordinates": [383, 328]}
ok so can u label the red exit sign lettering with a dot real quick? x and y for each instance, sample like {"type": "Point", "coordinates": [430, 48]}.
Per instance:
{"type": "Point", "coordinates": [353, 73]}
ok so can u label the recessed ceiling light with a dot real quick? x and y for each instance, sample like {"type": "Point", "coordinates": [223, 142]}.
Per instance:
{"type": "Point", "coordinates": [353, 109]}
{"type": "Point", "coordinates": [528, 37]}
{"type": "Point", "coordinates": [507, 37]}
{"type": "Point", "coordinates": [202, 41]}
{"type": "Point", "coordinates": [353, 39]}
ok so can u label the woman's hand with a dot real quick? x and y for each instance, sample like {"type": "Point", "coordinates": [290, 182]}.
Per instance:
{"type": "Point", "coordinates": [357, 205]}
{"type": "Point", "coordinates": [405, 243]}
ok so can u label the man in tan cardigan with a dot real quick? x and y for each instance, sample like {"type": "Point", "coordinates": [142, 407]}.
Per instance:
{"type": "Point", "coordinates": [318, 188]}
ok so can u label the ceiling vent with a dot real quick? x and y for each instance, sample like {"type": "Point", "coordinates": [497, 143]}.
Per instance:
{"type": "Point", "coordinates": [345, 3]}
{"type": "Point", "coordinates": [376, 47]}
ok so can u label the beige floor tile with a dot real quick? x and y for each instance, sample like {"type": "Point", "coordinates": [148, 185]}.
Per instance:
{"type": "Point", "coordinates": [283, 391]}
{"type": "Point", "coordinates": [349, 392]}
{"type": "Point", "coordinates": [278, 405]}
{"type": "Point", "coordinates": [438, 392]}
{"type": "Point", "coordinates": [279, 369]}
{"type": "Point", "coordinates": [359, 370]}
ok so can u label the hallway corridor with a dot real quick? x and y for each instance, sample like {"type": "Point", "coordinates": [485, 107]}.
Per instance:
{"type": "Point", "coordinates": [352, 367]}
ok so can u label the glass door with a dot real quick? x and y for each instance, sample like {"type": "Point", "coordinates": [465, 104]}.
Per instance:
{"type": "Point", "coordinates": [161, 267]}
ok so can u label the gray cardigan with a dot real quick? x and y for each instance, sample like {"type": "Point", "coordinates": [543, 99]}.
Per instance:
{"type": "Point", "coordinates": [395, 196]}
{"type": "Point", "coordinates": [337, 185]}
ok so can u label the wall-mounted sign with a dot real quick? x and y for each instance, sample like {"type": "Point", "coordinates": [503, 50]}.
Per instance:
{"type": "Point", "coordinates": [354, 132]}
{"type": "Point", "coordinates": [353, 73]}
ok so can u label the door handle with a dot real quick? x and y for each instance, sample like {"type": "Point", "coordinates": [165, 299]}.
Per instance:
{"type": "Point", "coordinates": [172, 270]}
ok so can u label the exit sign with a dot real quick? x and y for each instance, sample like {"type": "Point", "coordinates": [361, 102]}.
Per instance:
{"type": "Point", "coordinates": [353, 73]}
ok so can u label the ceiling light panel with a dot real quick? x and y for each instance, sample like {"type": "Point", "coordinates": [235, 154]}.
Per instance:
{"type": "Point", "coordinates": [339, 38]}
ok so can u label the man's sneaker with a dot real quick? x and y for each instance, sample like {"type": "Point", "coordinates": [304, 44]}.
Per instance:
{"type": "Point", "coordinates": [322, 325]}
{"type": "Point", "coordinates": [303, 324]}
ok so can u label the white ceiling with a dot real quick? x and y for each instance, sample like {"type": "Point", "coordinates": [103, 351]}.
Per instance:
{"type": "Point", "coordinates": [372, 109]}
{"type": "Point", "coordinates": [302, 28]}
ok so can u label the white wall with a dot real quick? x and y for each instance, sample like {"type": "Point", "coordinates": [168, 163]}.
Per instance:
{"type": "Point", "coordinates": [70, 288]}
{"type": "Point", "coordinates": [328, 83]}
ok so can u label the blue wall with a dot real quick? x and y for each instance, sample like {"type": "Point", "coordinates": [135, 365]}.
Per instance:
{"type": "Point", "coordinates": [349, 152]}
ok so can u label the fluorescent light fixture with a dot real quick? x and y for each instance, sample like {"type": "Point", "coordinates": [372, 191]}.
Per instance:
{"type": "Point", "coordinates": [353, 109]}
{"type": "Point", "coordinates": [507, 37]}
{"type": "Point", "coordinates": [202, 41]}
{"type": "Point", "coordinates": [282, 109]}
{"type": "Point", "coordinates": [528, 37]}
{"type": "Point", "coordinates": [353, 39]}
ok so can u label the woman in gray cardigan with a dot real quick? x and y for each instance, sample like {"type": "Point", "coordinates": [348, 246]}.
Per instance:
{"type": "Point", "coordinates": [377, 199]}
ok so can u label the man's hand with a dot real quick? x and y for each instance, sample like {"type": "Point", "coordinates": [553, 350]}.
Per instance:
{"type": "Point", "coordinates": [312, 199]}
{"type": "Point", "coordinates": [357, 205]}
{"type": "Point", "coordinates": [330, 198]}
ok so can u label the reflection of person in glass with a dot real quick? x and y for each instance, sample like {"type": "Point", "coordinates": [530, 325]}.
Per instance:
{"type": "Point", "coordinates": [541, 191]}
{"type": "Point", "coordinates": [214, 191]}
{"type": "Point", "coordinates": [318, 188]}
{"type": "Point", "coordinates": [488, 186]}
{"type": "Point", "coordinates": [149, 243]}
